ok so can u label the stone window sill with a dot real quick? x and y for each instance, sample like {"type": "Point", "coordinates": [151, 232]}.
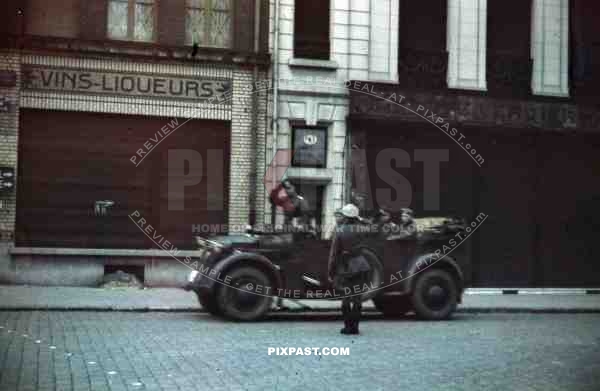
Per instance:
{"type": "Point", "coordinates": [309, 63]}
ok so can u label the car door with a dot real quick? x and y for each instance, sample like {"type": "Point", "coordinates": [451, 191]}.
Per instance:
{"type": "Point", "coordinates": [307, 261]}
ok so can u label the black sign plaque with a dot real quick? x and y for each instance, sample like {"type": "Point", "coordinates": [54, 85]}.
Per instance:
{"type": "Point", "coordinates": [310, 147]}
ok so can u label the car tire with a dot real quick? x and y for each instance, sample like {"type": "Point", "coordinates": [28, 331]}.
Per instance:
{"type": "Point", "coordinates": [236, 303]}
{"type": "Point", "coordinates": [208, 303]}
{"type": "Point", "coordinates": [392, 306]}
{"type": "Point", "coordinates": [435, 295]}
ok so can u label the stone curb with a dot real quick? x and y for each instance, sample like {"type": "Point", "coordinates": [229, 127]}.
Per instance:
{"type": "Point", "coordinates": [511, 310]}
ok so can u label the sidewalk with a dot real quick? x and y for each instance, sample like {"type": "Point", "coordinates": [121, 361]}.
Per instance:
{"type": "Point", "coordinates": [165, 299]}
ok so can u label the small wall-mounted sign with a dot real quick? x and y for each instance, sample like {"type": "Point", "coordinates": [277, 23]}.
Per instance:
{"type": "Point", "coordinates": [8, 78]}
{"type": "Point", "coordinates": [4, 104]}
{"type": "Point", "coordinates": [310, 147]}
{"type": "Point", "coordinates": [102, 206]}
{"type": "Point", "coordinates": [7, 178]}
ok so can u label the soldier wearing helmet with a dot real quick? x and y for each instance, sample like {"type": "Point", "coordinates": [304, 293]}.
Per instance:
{"type": "Point", "coordinates": [347, 269]}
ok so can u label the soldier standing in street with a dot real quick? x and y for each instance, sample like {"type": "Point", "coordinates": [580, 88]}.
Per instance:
{"type": "Point", "coordinates": [347, 269]}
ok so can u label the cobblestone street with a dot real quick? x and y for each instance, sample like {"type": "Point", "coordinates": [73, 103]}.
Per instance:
{"type": "Point", "coordinates": [191, 351]}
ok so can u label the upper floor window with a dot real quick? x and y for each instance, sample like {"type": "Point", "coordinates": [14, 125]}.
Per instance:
{"type": "Point", "coordinates": [383, 45]}
{"type": "Point", "coordinates": [550, 47]}
{"type": "Point", "coordinates": [311, 29]}
{"type": "Point", "coordinates": [131, 19]}
{"type": "Point", "coordinates": [208, 23]}
{"type": "Point", "coordinates": [584, 50]}
{"type": "Point", "coordinates": [59, 19]}
{"type": "Point", "coordinates": [508, 57]}
{"type": "Point", "coordinates": [466, 43]}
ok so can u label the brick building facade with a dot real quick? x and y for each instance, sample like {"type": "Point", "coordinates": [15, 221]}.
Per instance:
{"type": "Point", "coordinates": [502, 96]}
{"type": "Point", "coordinates": [84, 98]}
{"type": "Point", "coordinates": [318, 46]}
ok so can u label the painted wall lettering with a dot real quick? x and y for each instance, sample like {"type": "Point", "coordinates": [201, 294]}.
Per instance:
{"type": "Point", "coordinates": [115, 83]}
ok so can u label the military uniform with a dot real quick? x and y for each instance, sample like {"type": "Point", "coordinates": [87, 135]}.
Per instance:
{"type": "Point", "coordinates": [347, 269]}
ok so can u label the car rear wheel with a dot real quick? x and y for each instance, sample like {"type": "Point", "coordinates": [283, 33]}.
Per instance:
{"type": "Point", "coordinates": [208, 303]}
{"type": "Point", "coordinates": [239, 300]}
{"type": "Point", "coordinates": [392, 305]}
{"type": "Point", "coordinates": [435, 295]}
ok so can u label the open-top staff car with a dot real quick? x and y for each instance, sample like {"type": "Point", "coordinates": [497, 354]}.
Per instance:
{"type": "Point", "coordinates": [239, 275]}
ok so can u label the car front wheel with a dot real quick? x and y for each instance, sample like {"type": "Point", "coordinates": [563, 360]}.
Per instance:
{"type": "Point", "coordinates": [435, 295]}
{"type": "Point", "coordinates": [392, 305]}
{"type": "Point", "coordinates": [239, 300]}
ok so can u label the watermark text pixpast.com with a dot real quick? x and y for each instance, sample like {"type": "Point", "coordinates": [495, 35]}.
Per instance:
{"type": "Point", "coordinates": [299, 351]}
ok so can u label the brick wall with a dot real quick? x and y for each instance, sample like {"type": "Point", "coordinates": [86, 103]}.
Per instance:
{"type": "Point", "coordinates": [239, 113]}
{"type": "Point", "coordinates": [9, 124]}
{"type": "Point", "coordinates": [243, 151]}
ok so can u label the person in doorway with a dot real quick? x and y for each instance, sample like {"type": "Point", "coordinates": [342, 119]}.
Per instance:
{"type": "Point", "coordinates": [296, 209]}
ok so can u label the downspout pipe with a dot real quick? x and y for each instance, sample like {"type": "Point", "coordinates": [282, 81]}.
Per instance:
{"type": "Point", "coordinates": [275, 84]}
{"type": "Point", "coordinates": [254, 142]}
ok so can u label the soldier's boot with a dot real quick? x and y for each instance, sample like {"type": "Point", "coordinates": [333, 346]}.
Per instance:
{"type": "Point", "coordinates": [347, 314]}
{"type": "Point", "coordinates": [355, 317]}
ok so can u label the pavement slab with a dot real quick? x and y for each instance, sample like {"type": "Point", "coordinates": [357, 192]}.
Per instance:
{"type": "Point", "coordinates": [98, 351]}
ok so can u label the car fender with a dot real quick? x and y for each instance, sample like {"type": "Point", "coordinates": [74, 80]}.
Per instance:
{"type": "Point", "coordinates": [431, 261]}
{"type": "Point", "coordinates": [245, 259]}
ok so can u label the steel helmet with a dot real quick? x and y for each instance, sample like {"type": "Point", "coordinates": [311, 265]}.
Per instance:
{"type": "Point", "coordinates": [349, 210]}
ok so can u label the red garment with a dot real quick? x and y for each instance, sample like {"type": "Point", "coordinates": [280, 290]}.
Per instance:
{"type": "Point", "coordinates": [280, 198]}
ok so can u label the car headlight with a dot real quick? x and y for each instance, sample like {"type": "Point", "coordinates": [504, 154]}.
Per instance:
{"type": "Point", "coordinates": [192, 275]}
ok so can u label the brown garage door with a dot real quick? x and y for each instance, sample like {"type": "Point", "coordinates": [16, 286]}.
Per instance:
{"type": "Point", "coordinates": [568, 210]}
{"type": "Point", "coordinates": [505, 253]}
{"type": "Point", "coordinates": [69, 161]}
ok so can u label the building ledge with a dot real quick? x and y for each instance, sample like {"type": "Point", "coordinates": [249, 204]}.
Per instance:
{"type": "Point", "coordinates": [309, 63]}
{"type": "Point", "coordinates": [308, 174]}
{"type": "Point", "coordinates": [101, 252]}
{"type": "Point", "coordinates": [131, 49]}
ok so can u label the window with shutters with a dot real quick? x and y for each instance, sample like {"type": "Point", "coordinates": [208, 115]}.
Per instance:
{"type": "Point", "coordinates": [311, 29]}
{"type": "Point", "coordinates": [550, 47]}
{"type": "Point", "coordinates": [133, 20]}
{"type": "Point", "coordinates": [466, 43]}
{"type": "Point", "coordinates": [209, 23]}
{"type": "Point", "coordinates": [383, 43]}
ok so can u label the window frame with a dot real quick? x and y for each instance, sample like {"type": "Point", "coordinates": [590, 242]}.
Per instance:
{"type": "Point", "coordinates": [208, 25]}
{"type": "Point", "coordinates": [130, 36]}
{"type": "Point", "coordinates": [457, 51]}
{"type": "Point", "coordinates": [324, 129]}
{"type": "Point", "coordinates": [308, 54]}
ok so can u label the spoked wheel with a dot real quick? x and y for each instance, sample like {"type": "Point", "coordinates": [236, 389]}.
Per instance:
{"type": "Point", "coordinates": [239, 300]}
{"type": "Point", "coordinates": [392, 305]}
{"type": "Point", "coordinates": [435, 295]}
